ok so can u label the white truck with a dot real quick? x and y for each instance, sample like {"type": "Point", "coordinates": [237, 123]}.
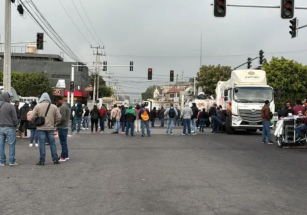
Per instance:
{"type": "Point", "coordinates": [246, 90]}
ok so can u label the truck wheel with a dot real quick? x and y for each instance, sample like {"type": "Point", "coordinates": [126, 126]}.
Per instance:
{"type": "Point", "coordinates": [279, 142]}
{"type": "Point", "coordinates": [228, 128]}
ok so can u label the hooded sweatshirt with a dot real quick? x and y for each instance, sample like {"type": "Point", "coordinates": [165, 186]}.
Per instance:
{"type": "Point", "coordinates": [123, 117]}
{"type": "Point", "coordinates": [77, 108]}
{"type": "Point", "coordinates": [8, 115]}
{"type": "Point", "coordinates": [186, 112]}
{"type": "Point", "coordinates": [65, 112]}
{"type": "Point", "coordinates": [53, 116]}
{"type": "Point", "coordinates": [23, 111]}
{"type": "Point", "coordinates": [130, 114]}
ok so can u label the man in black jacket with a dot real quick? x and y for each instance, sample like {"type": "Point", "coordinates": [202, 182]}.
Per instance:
{"type": "Point", "coordinates": [194, 119]}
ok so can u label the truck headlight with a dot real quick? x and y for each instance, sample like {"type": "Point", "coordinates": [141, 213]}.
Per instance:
{"type": "Point", "coordinates": [236, 118]}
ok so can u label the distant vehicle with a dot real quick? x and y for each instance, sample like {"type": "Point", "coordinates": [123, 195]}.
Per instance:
{"type": "Point", "coordinates": [246, 90]}
{"type": "Point", "coordinates": [29, 99]}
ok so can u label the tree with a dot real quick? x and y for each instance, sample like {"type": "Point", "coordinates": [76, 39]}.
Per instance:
{"type": "Point", "coordinates": [208, 76]}
{"type": "Point", "coordinates": [29, 84]}
{"type": "Point", "coordinates": [105, 91]}
{"type": "Point", "coordinates": [101, 81]}
{"type": "Point", "coordinates": [288, 79]}
{"type": "Point", "coordinates": [148, 94]}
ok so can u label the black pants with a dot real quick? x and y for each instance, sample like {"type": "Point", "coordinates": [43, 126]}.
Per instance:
{"type": "Point", "coordinates": [110, 123]}
{"type": "Point", "coordinates": [94, 121]}
{"type": "Point", "coordinates": [25, 124]}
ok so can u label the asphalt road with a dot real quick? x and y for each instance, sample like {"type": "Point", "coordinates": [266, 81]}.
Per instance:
{"type": "Point", "coordinates": [206, 174]}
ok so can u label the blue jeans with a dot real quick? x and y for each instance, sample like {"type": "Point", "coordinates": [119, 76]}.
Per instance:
{"type": "Point", "coordinates": [9, 134]}
{"type": "Point", "coordinates": [102, 119]}
{"type": "Point", "coordinates": [33, 136]}
{"type": "Point", "coordinates": [116, 126]}
{"type": "Point", "coordinates": [131, 126]}
{"type": "Point", "coordinates": [266, 130]}
{"type": "Point", "coordinates": [42, 137]}
{"type": "Point", "coordinates": [170, 124]}
{"type": "Point", "coordinates": [76, 121]}
{"type": "Point", "coordinates": [123, 125]}
{"type": "Point", "coordinates": [299, 130]}
{"type": "Point", "coordinates": [162, 122]}
{"type": "Point", "coordinates": [143, 124]}
{"type": "Point", "coordinates": [186, 122]}
{"type": "Point", "coordinates": [63, 132]}
{"type": "Point", "coordinates": [193, 125]}
{"type": "Point", "coordinates": [202, 123]}
{"type": "Point", "coordinates": [216, 123]}
{"type": "Point", "coordinates": [85, 121]}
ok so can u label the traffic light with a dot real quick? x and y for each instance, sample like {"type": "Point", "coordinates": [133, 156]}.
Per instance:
{"type": "Point", "coordinates": [105, 66]}
{"type": "Point", "coordinates": [131, 66]}
{"type": "Point", "coordinates": [287, 9]}
{"type": "Point", "coordinates": [72, 86]}
{"type": "Point", "coordinates": [150, 74]}
{"type": "Point", "coordinates": [249, 63]}
{"type": "Point", "coordinates": [40, 41]}
{"type": "Point", "coordinates": [219, 8]}
{"type": "Point", "coordinates": [171, 76]}
{"type": "Point", "coordinates": [261, 57]}
{"type": "Point", "coordinates": [293, 27]}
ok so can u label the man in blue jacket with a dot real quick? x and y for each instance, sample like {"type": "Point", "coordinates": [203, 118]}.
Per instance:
{"type": "Point", "coordinates": [171, 114]}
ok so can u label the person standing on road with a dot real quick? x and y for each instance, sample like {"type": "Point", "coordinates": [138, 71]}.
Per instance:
{"type": "Point", "coordinates": [86, 117]}
{"type": "Point", "coordinates": [78, 113]}
{"type": "Point", "coordinates": [161, 116]}
{"type": "Point", "coordinates": [52, 116]}
{"type": "Point", "coordinates": [266, 123]}
{"type": "Point", "coordinates": [8, 124]}
{"type": "Point", "coordinates": [23, 127]}
{"type": "Point", "coordinates": [130, 118]}
{"type": "Point", "coordinates": [186, 115]}
{"type": "Point", "coordinates": [94, 119]}
{"type": "Point", "coordinates": [103, 116]}
{"type": "Point", "coordinates": [63, 127]}
{"type": "Point", "coordinates": [137, 124]}
{"type": "Point", "coordinates": [177, 121]}
{"type": "Point", "coordinates": [203, 118]}
{"type": "Point", "coordinates": [153, 116]}
{"type": "Point", "coordinates": [194, 119]}
{"type": "Point", "coordinates": [171, 114]}
{"type": "Point", "coordinates": [123, 119]}
{"type": "Point", "coordinates": [115, 116]}
{"type": "Point", "coordinates": [145, 118]}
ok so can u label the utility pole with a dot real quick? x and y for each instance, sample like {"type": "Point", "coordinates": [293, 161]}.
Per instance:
{"type": "Point", "coordinates": [97, 71]}
{"type": "Point", "coordinates": [7, 48]}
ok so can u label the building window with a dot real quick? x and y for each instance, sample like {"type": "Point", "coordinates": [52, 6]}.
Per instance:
{"type": "Point", "coordinates": [171, 95]}
{"type": "Point", "coordinates": [60, 76]}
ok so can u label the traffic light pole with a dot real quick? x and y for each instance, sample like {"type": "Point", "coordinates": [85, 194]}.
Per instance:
{"type": "Point", "coordinates": [72, 79]}
{"type": "Point", "coordinates": [245, 63]}
{"type": "Point", "coordinates": [7, 48]}
{"type": "Point", "coordinates": [262, 6]}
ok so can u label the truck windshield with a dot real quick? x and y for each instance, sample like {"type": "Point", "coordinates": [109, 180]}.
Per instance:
{"type": "Point", "coordinates": [252, 94]}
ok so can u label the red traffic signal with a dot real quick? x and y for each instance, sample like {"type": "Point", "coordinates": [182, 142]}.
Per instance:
{"type": "Point", "coordinates": [150, 74]}
{"type": "Point", "coordinates": [219, 8]}
{"type": "Point", "coordinates": [40, 41]}
{"type": "Point", "coordinates": [171, 75]}
{"type": "Point", "coordinates": [287, 9]}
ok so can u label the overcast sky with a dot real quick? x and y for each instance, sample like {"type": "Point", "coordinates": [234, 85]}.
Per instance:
{"type": "Point", "coordinates": [165, 35]}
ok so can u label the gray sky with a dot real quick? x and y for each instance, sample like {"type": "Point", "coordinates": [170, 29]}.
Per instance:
{"type": "Point", "coordinates": [165, 35]}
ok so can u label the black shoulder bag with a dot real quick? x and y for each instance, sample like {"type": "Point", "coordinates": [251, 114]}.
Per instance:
{"type": "Point", "coordinates": [40, 121]}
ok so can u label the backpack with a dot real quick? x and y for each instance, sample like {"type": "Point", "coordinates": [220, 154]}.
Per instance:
{"type": "Point", "coordinates": [79, 112]}
{"type": "Point", "coordinates": [171, 113]}
{"type": "Point", "coordinates": [94, 115]}
{"type": "Point", "coordinates": [145, 115]}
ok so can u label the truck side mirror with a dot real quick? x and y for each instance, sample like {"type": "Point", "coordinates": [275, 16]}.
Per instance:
{"type": "Point", "coordinates": [225, 98]}
{"type": "Point", "coordinates": [225, 93]}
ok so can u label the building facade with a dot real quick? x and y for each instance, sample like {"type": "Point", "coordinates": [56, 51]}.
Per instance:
{"type": "Point", "coordinates": [53, 66]}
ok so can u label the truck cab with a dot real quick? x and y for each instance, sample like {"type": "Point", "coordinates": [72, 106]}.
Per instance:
{"type": "Point", "coordinates": [243, 96]}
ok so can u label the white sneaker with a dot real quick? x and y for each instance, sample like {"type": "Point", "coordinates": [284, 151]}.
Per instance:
{"type": "Point", "coordinates": [31, 145]}
{"type": "Point", "coordinates": [36, 145]}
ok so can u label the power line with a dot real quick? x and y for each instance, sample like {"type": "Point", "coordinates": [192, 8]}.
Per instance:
{"type": "Point", "coordinates": [84, 22]}
{"type": "Point", "coordinates": [51, 33]}
{"type": "Point", "coordinates": [74, 22]}
{"type": "Point", "coordinates": [90, 22]}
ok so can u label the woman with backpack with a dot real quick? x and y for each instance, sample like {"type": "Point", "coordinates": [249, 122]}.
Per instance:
{"type": "Point", "coordinates": [94, 119]}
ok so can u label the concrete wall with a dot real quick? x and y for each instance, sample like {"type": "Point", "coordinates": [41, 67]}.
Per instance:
{"type": "Point", "coordinates": [52, 69]}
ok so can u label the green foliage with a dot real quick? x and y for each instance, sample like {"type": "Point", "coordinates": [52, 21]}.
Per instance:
{"type": "Point", "coordinates": [287, 77]}
{"type": "Point", "coordinates": [29, 84]}
{"type": "Point", "coordinates": [208, 76]}
{"type": "Point", "coordinates": [148, 94]}
{"type": "Point", "coordinates": [105, 91]}
{"type": "Point", "coordinates": [101, 81]}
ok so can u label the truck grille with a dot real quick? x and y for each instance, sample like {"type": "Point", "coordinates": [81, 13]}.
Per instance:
{"type": "Point", "coordinates": [250, 115]}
